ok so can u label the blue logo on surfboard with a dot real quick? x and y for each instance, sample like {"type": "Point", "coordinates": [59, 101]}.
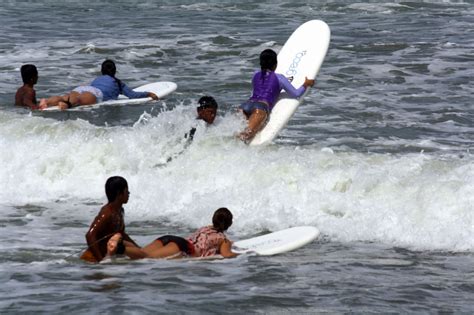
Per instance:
{"type": "Point", "coordinates": [293, 69]}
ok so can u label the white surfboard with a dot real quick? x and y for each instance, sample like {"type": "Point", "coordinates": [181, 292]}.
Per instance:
{"type": "Point", "coordinates": [264, 245]}
{"type": "Point", "coordinates": [161, 89]}
{"type": "Point", "coordinates": [301, 56]}
{"type": "Point", "coordinates": [277, 242]}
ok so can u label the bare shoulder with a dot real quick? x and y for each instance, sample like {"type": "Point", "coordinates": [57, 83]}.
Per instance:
{"type": "Point", "coordinates": [111, 211]}
{"type": "Point", "coordinates": [19, 96]}
{"type": "Point", "coordinates": [106, 209]}
{"type": "Point", "coordinates": [27, 90]}
{"type": "Point", "coordinates": [25, 95]}
{"type": "Point", "coordinates": [20, 90]}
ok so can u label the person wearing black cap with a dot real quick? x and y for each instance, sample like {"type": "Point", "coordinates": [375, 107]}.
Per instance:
{"type": "Point", "coordinates": [207, 111]}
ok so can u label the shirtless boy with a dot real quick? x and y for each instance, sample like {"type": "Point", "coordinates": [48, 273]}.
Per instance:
{"type": "Point", "coordinates": [26, 95]}
{"type": "Point", "coordinates": [109, 220]}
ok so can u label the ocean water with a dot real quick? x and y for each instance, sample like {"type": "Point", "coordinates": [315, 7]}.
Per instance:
{"type": "Point", "coordinates": [378, 157]}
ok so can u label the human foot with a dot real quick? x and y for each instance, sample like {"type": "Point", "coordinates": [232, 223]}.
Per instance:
{"type": "Point", "coordinates": [43, 103]}
{"type": "Point", "coordinates": [113, 244]}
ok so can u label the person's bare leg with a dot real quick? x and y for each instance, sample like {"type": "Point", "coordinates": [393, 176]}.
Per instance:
{"type": "Point", "coordinates": [257, 119]}
{"type": "Point", "coordinates": [256, 122]}
{"type": "Point", "coordinates": [170, 249]}
{"type": "Point", "coordinates": [52, 101]}
{"type": "Point", "coordinates": [134, 252]}
{"type": "Point", "coordinates": [69, 100]}
{"type": "Point", "coordinates": [153, 246]}
{"type": "Point", "coordinates": [86, 98]}
{"type": "Point", "coordinates": [131, 250]}
{"type": "Point", "coordinates": [153, 250]}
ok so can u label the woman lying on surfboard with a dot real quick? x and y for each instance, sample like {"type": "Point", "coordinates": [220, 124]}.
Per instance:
{"type": "Point", "coordinates": [111, 87]}
{"type": "Point", "coordinates": [104, 88]}
{"type": "Point", "coordinates": [266, 87]}
{"type": "Point", "coordinates": [206, 241]}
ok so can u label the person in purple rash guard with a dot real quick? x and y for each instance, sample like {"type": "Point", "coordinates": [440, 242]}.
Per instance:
{"type": "Point", "coordinates": [266, 88]}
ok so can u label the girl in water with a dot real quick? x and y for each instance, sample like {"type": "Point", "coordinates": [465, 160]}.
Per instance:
{"type": "Point", "coordinates": [104, 88]}
{"type": "Point", "coordinates": [266, 88]}
{"type": "Point", "coordinates": [206, 241]}
{"type": "Point", "coordinates": [111, 87]}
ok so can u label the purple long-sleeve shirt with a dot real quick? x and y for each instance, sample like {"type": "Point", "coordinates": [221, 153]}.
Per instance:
{"type": "Point", "coordinates": [288, 87]}
{"type": "Point", "coordinates": [267, 86]}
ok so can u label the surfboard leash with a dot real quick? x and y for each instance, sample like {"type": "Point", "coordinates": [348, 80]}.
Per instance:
{"type": "Point", "coordinates": [88, 246]}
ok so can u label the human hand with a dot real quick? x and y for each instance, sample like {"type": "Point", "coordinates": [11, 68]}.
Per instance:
{"type": "Point", "coordinates": [308, 82]}
{"type": "Point", "coordinates": [153, 96]}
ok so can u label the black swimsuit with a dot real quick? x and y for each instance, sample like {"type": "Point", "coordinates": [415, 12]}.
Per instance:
{"type": "Point", "coordinates": [182, 243]}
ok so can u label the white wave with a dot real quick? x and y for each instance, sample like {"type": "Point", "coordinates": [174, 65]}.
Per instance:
{"type": "Point", "coordinates": [383, 8]}
{"type": "Point", "coordinates": [414, 200]}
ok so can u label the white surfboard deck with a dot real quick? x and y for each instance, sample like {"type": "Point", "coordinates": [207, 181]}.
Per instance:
{"type": "Point", "coordinates": [277, 242]}
{"type": "Point", "coordinates": [161, 89]}
{"type": "Point", "coordinates": [300, 57]}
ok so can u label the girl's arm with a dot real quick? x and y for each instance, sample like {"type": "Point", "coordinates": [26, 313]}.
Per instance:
{"type": "Point", "coordinates": [132, 94]}
{"type": "Point", "coordinates": [290, 89]}
{"type": "Point", "coordinates": [128, 92]}
{"type": "Point", "coordinates": [226, 249]}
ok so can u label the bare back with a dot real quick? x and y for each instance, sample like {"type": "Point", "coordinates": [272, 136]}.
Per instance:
{"type": "Point", "coordinates": [108, 222]}
{"type": "Point", "coordinates": [26, 96]}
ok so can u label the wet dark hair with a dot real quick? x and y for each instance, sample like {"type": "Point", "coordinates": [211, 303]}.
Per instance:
{"type": "Point", "coordinates": [222, 219]}
{"type": "Point", "coordinates": [109, 68]}
{"type": "Point", "coordinates": [114, 186]}
{"type": "Point", "coordinates": [268, 60]}
{"type": "Point", "coordinates": [28, 72]}
{"type": "Point", "coordinates": [207, 102]}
